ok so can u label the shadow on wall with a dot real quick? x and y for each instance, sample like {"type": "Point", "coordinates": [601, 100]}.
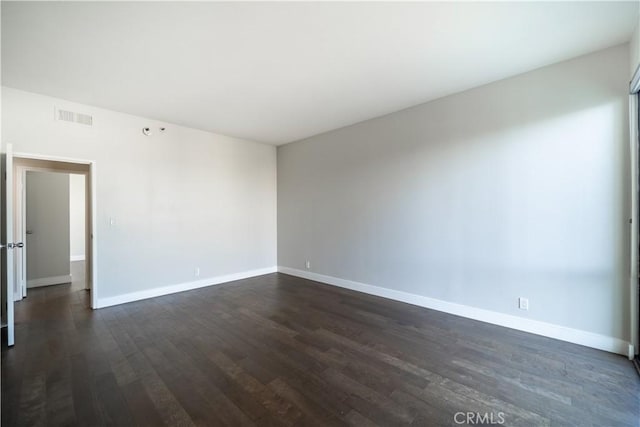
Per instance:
{"type": "Point", "coordinates": [516, 188]}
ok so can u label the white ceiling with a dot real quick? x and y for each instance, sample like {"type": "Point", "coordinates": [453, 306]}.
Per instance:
{"type": "Point", "coordinates": [279, 72]}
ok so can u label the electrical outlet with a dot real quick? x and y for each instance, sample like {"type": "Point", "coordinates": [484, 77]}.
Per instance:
{"type": "Point", "coordinates": [523, 303]}
{"type": "Point", "coordinates": [308, 264]}
{"type": "Point", "coordinates": [196, 272]}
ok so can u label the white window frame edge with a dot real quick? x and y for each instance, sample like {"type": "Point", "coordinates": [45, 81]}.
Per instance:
{"type": "Point", "coordinates": [634, 85]}
{"type": "Point", "coordinates": [634, 135]}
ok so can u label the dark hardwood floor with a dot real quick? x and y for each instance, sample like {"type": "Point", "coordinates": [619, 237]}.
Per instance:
{"type": "Point", "coordinates": [279, 350]}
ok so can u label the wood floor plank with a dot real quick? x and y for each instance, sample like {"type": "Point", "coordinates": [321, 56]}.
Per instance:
{"type": "Point", "coordinates": [111, 402]}
{"type": "Point", "coordinates": [145, 413]}
{"type": "Point", "coordinates": [84, 400]}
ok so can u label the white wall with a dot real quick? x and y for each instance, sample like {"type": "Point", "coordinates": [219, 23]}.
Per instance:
{"type": "Point", "coordinates": [179, 200]}
{"type": "Point", "coordinates": [47, 214]}
{"type": "Point", "coordinates": [77, 217]}
{"type": "Point", "coordinates": [516, 188]}
{"type": "Point", "coordinates": [634, 49]}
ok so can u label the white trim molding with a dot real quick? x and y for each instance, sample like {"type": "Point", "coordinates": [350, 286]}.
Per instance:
{"type": "Point", "coordinates": [76, 258]}
{"type": "Point", "coordinates": [47, 281]}
{"type": "Point", "coordinates": [181, 287]}
{"type": "Point", "coordinates": [563, 333]}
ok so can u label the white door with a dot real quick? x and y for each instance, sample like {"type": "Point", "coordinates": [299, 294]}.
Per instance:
{"type": "Point", "coordinates": [9, 247]}
{"type": "Point", "coordinates": [19, 221]}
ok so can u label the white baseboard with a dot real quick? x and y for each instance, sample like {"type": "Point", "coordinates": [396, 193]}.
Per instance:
{"type": "Point", "coordinates": [576, 336]}
{"type": "Point", "coordinates": [180, 287]}
{"type": "Point", "coordinates": [47, 281]}
{"type": "Point", "coordinates": [77, 258]}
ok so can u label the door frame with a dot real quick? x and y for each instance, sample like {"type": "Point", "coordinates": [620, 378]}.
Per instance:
{"type": "Point", "coordinates": [24, 162]}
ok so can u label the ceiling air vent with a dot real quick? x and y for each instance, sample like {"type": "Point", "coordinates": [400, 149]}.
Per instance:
{"type": "Point", "coordinates": [70, 116]}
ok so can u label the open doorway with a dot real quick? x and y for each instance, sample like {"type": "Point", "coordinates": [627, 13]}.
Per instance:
{"type": "Point", "coordinates": [54, 221]}
{"type": "Point", "coordinates": [52, 203]}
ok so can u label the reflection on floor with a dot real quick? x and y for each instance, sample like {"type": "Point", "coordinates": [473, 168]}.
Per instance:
{"type": "Point", "coordinates": [37, 303]}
